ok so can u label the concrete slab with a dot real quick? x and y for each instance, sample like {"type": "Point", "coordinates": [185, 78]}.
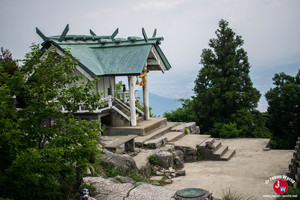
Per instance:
{"type": "Point", "coordinates": [191, 140]}
{"type": "Point", "coordinates": [245, 173]}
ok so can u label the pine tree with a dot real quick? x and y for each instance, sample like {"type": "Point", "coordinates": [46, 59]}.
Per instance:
{"type": "Point", "coordinates": [223, 85]}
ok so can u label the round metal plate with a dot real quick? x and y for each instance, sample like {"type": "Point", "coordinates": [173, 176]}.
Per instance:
{"type": "Point", "coordinates": [191, 192]}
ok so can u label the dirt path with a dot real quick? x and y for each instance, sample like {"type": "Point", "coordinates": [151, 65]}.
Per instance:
{"type": "Point", "coordinates": [245, 173]}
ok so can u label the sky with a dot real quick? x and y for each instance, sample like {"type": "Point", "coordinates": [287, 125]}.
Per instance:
{"type": "Point", "coordinates": [270, 29]}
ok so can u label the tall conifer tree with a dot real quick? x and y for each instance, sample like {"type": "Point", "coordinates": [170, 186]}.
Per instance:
{"type": "Point", "coordinates": [223, 85]}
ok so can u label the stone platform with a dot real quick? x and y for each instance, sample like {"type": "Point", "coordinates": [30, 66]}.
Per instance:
{"type": "Point", "coordinates": [143, 128]}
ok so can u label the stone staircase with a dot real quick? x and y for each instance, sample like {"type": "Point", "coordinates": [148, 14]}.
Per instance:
{"type": "Point", "coordinates": [178, 134]}
{"type": "Point", "coordinates": [157, 132]}
{"type": "Point", "coordinates": [215, 151]}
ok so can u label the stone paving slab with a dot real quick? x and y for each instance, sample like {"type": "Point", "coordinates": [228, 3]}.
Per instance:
{"type": "Point", "coordinates": [191, 140]}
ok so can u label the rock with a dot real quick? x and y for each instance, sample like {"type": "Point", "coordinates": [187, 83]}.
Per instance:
{"type": "Point", "coordinates": [123, 162]}
{"type": "Point", "coordinates": [191, 126]}
{"type": "Point", "coordinates": [146, 191]}
{"type": "Point", "coordinates": [179, 153]}
{"type": "Point", "coordinates": [158, 173]}
{"type": "Point", "coordinates": [113, 180]}
{"type": "Point", "coordinates": [181, 173]}
{"type": "Point", "coordinates": [178, 162]}
{"type": "Point", "coordinates": [168, 181]}
{"type": "Point", "coordinates": [191, 151]}
{"type": "Point", "coordinates": [123, 179]}
{"type": "Point", "coordinates": [209, 145]}
{"type": "Point", "coordinates": [178, 159]}
{"type": "Point", "coordinates": [155, 178]}
{"type": "Point", "coordinates": [155, 168]}
{"type": "Point", "coordinates": [108, 188]}
{"type": "Point", "coordinates": [164, 158]}
{"type": "Point", "coordinates": [171, 170]}
{"type": "Point", "coordinates": [190, 158]}
{"type": "Point", "coordinates": [197, 131]}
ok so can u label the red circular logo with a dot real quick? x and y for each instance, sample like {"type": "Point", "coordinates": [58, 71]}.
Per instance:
{"type": "Point", "coordinates": [280, 186]}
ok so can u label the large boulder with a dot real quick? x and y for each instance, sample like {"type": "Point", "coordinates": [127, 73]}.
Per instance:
{"type": "Point", "coordinates": [178, 159]}
{"type": "Point", "coordinates": [123, 162]}
{"type": "Point", "coordinates": [164, 158]}
{"type": "Point", "coordinates": [110, 189]}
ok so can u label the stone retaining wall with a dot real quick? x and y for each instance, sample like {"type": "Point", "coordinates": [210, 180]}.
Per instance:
{"type": "Point", "coordinates": [294, 169]}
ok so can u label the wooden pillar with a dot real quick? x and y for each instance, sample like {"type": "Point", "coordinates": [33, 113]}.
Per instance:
{"type": "Point", "coordinates": [132, 101]}
{"type": "Point", "coordinates": [146, 100]}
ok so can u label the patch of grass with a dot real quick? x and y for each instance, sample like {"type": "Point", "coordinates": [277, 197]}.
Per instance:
{"type": "Point", "coordinates": [152, 146]}
{"type": "Point", "coordinates": [186, 131]}
{"type": "Point", "coordinates": [229, 195]}
{"type": "Point", "coordinates": [199, 156]}
{"type": "Point", "coordinates": [170, 150]}
{"type": "Point", "coordinates": [162, 180]}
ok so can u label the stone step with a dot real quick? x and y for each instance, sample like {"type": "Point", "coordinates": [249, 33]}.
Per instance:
{"type": "Point", "coordinates": [207, 140]}
{"type": "Point", "coordinates": [228, 155]}
{"type": "Point", "coordinates": [174, 136]}
{"type": "Point", "coordinates": [164, 139]}
{"type": "Point", "coordinates": [191, 140]}
{"type": "Point", "coordinates": [220, 152]}
{"type": "Point", "coordinates": [140, 140]}
{"type": "Point", "coordinates": [217, 145]}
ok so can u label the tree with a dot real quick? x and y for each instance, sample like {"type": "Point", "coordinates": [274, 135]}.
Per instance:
{"type": "Point", "coordinates": [45, 153]}
{"type": "Point", "coordinates": [223, 85]}
{"type": "Point", "coordinates": [182, 114]}
{"type": "Point", "coordinates": [225, 99]}
{"type": "Point", "coordinates": [284, 110]}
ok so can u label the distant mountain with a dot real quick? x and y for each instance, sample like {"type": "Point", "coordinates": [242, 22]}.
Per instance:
{"type": "Point", "coordinates": [160, 104]}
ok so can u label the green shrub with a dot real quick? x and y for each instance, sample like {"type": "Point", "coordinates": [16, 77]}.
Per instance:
{"type": "Point", "coordinates": [153, 160]}
{"type": "Point", "coordinates": [226, 130]}
{"type": "Point", "coordinates": [112, 171]}
{"type": "Point", "coordinates": [199, 156]}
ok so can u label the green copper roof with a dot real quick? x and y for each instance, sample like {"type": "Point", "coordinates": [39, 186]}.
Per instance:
{"type": "Point", "coordinates": [107, 55]}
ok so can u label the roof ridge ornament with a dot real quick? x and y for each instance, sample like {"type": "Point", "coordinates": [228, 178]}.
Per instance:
{"type": "Point", "coordinates": [115, 33]}
{"type": "Point", "coordinates": [92, 33]}
{"type": "Point", "coordinates": [154, 33]}
{"type": "Point", "coordinates": [41, 34]}
{"type": "Point", "coordinates": [64, 33]}
{"type": "Point", "coordinates": [145, 35]}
